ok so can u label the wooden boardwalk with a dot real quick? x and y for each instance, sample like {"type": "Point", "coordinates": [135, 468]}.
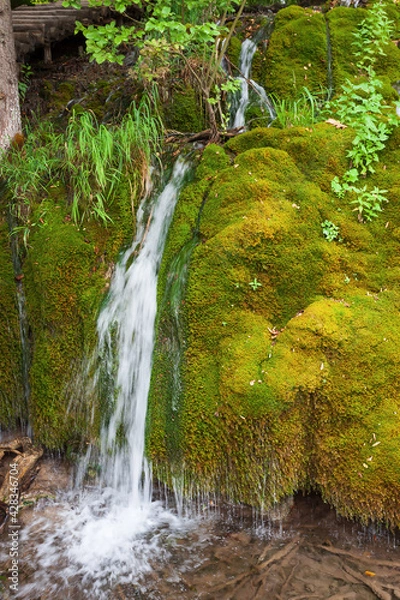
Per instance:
{"type": "Point", "coordinates": [41, 25]}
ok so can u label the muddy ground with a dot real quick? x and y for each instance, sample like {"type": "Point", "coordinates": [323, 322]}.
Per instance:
{"type": "Point", "coordinates": [230, 554]}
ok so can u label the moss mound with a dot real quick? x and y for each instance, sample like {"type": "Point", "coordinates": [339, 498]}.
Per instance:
{"type": "Point", "coordinates": [66, 270]}
{"type": "Point", "coordinates": [297, 53]}
{"type": "Point", "coordinates": [289, 354]}
{"type": "Point", "coordinates": [12, 409]}
{"type": "Point", "coordinates": [342, 24]}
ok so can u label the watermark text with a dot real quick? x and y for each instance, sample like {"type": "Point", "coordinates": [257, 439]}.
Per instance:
{"type": "Point", "coordinates": [13, 528]}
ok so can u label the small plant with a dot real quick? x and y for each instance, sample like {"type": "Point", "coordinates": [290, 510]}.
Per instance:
{"type": "Point", "coordinates": [362, 107]}
{"type": "Point", "coordinates": [303, 111]}
{"type": "Point", "coordinates": [369, 202]}
{"type": "Point", "coordinates": [26, 229]}
{"type": "Point", "coordinates": [24, 81]}
{"type": "Point", "coordinates": [330, 230]}
{"type": "Point", "coordinates": [255, 284]}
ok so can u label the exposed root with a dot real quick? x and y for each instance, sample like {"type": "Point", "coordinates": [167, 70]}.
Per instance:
{"type": "Point", "coordinates": [372, 585]}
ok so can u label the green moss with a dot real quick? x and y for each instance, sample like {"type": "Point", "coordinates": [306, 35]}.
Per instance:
{"type": "Point", "coordinates": [214, 159]}
{"type": "Point", "coordinates": [66, 272]}
{"type": "Point", "coordinates": [297, 53]}
{"type": "Point", "coordinates": [59, 274]}
{"type": "Point", "coordinates": [287, 386]}
{"type": "Point", "coordinates": [318, 151]}
{"type": "Point", "coordinates": [342, 357]}
{"type": "Point", "coordinates": [233, 51]}
{"type": "Point", "coordinates": [183, 113]}
{"type": "Point", "coordinates": [12, 406]}
{"type": "Point", "coordinates": [343, 22]}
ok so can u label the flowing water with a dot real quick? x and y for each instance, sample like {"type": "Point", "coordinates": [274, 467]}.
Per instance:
{"type": "Point", "coordinates": [127, 325]}
{"type": "Point", "coordinates": [247, 52]}
{"type": "Point", "coordinates": [112, 530]}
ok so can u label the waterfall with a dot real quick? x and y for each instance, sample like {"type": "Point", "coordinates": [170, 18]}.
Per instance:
{"type": "Point", "coordinates": [113, 531]}
{"type": "Point", "coordinates": [247, 52]}
{"type": "Point", "coordinates": [127, 324]}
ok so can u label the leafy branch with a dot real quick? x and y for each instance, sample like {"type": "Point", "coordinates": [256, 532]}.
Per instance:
{"type": "Point", "coordinates": [362, 107]}
{"type": "Point", "coordinates": [172, 34]}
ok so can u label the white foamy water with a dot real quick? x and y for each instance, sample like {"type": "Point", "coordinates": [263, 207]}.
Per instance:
{"type": "Point", "coordinates": [111, 533]}
{"type": "Point", "coordinates": [247, 52]}
{"type": "Point", "coordinates": [126, 341]}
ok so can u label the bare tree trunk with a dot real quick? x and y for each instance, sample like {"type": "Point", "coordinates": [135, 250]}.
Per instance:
{"type": "Point", "coordinates": [10, 117]}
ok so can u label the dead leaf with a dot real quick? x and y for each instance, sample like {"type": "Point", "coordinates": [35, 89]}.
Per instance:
{"type": "Point", "coordinates": [336, 123]}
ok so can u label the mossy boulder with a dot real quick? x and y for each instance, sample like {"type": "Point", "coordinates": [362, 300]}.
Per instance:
{"type": "Point", "coordinates": [297, 53]}
{"type": "Point", "coordinates": [343, 23]}
{"type": "Point", "coordinates": [12, 403]}
{"type": "Point", "coordinates": [182, 112]}
{"type": "Point", "coordinates": [289, 348]}
{"type": "Point", "coordinates": [66, 274]}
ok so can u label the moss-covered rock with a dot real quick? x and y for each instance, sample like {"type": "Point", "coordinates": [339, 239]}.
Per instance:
{"type": "Point", "coordinates": [12, 404]}
{"type": "Point", "coordinates": [297, 53]}
{"type": "Point", "coordinates": [65, 276]}
{"type": "Point", "coordinates": [289, 348]}
{"type": "Point", "coordinates": [182, 112]}
{"type": "Point", "coordinates": [343, 23]}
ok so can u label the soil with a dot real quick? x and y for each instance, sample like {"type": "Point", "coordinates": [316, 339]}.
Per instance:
{"type": "Point", "coordinates": [70, 65]}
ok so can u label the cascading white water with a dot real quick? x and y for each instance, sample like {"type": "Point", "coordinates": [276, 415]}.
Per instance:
{"type": "Point", "coordinates": [247, 52]}
{"type": "Point", "coordinates": [115, 529]}
{"type": "Point", "coordinates": [127, 324]}
{"type": "Point", "coordinates": [246, 57]}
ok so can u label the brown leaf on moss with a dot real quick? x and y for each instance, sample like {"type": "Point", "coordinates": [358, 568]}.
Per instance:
{"type": "Point", "coordinates": [336, 124]}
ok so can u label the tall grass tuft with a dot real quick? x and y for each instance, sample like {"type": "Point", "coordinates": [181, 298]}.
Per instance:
{"type": "Point", "coordinates": [89, 158]}
{"type": "Point", "coordinates": [303, 111]}
{"type": "Point", "coordinates": [29, 171]}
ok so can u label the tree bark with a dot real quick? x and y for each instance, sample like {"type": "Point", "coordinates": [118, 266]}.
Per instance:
{"type": "Point", "coordinates": [10, 117]}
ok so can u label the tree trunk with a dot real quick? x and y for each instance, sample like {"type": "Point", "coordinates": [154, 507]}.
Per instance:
{"type": "Point", "coordinates": [10, 118]}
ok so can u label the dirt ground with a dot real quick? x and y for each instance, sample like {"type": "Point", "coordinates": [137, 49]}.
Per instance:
{"type": "Point", "coordinates": [310, 554]}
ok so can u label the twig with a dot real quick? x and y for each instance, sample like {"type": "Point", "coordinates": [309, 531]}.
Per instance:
{"type": "Point", "coordinates": [374, 587]}
{"type": "Point", "coordinates": [279, 555]}
{"type": "Point", "coordinates": [288, 579]}
{"type": "Point", "coordinates": [374, 561]}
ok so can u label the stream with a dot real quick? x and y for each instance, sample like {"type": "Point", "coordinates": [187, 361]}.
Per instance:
{"type": "Point", "coordinates": [301, 551]}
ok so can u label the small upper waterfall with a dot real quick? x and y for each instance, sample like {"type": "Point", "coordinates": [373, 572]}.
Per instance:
{"type": "Point", "coordinates": [246, 57]}
{"type": "Point", "coordinates": [247, 52]}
